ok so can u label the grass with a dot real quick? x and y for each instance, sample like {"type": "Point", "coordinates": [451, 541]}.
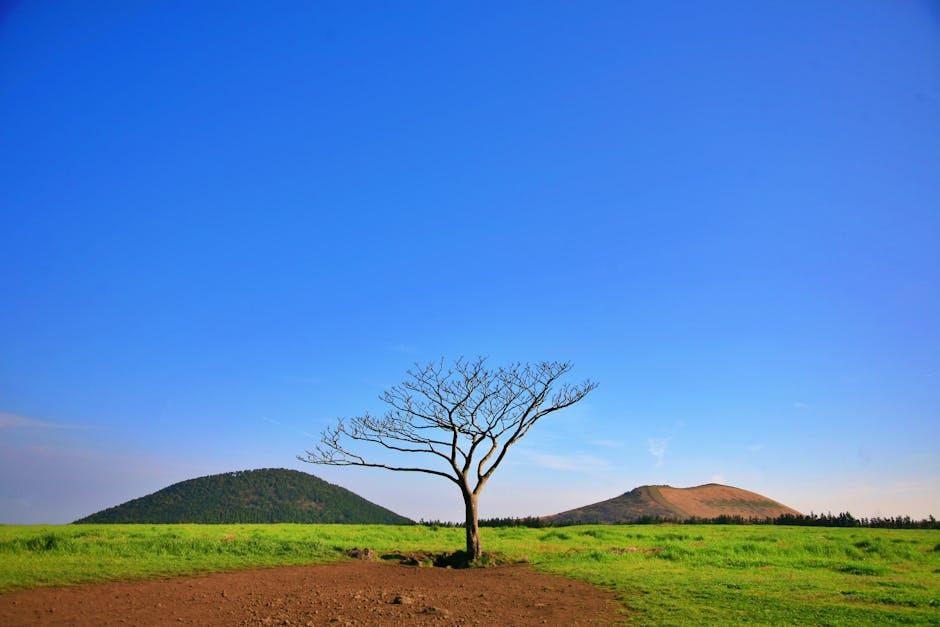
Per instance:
{"type": "Point", "coordinates": [662, 574]}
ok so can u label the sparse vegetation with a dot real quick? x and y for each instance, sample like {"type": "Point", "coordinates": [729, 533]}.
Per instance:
{"type": "Point", "coordinates": [663, 574]}
{"type": "Point", "coordinates": [664, 502]}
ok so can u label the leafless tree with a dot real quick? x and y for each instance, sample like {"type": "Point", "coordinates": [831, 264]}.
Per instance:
{"type": "Point", "coordinates": [460, 420]}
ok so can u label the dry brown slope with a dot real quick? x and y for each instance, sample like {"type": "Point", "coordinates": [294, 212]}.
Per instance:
{"type": "Point", "coordinates": [705, 501]}
{"type": "Point", "coordinates": [713, 499]}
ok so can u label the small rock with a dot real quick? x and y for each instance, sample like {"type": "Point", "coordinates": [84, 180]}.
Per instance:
{"type": "Point", "coordinates": [437, 611]}
{"type": "Point", "coordinates": [362, 554]}
{"type": "Point", "coordinates": [402, 600]}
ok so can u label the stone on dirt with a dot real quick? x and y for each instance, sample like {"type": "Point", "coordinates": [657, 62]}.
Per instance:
{"type": "Point", "coordinates": [362, 554]}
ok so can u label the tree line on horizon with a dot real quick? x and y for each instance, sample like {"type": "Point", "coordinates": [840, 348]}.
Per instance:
{"type": "Point", "coordinates": [842, 519]}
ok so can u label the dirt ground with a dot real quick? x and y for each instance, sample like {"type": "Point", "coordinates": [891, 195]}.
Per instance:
{"type": "Point", "coordinates": [348, 593]}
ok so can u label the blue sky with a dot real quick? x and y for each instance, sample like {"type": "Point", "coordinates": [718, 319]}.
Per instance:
{"type": "Point", "coordinates": [222, 227]}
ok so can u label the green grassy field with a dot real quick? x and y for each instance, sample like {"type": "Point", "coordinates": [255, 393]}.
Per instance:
{"type": "Point", "coordinates": [663, 574]}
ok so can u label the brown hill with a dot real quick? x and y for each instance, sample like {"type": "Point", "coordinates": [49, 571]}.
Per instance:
{"type": "Point", "coordinates": [662, 501]}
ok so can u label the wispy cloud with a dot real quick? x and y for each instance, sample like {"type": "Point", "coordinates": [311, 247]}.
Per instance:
{"type": "Point", "coordinates": [717, 478]}
{"type": "Point", "coordinates": [799, 405]}
{"type": "Point", "coordinates": [277, 423]}
{"type": "Point", "coordinates": [754, 448]}
{"type": "Point", "coordinates": [13, 421]}
{"type": "Point", "coordinates": [576, 462]}
{"type": "Point", "coordinates": [657, 448]}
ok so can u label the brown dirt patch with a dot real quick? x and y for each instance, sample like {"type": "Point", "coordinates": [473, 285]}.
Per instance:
{"type": "Point", "coordinates": [623, 550]}
{"type": "Point", "coordinates": [347, 593]}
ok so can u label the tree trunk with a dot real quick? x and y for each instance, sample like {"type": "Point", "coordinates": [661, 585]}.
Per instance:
{"type": "Point", "coordinates": [473, 528]}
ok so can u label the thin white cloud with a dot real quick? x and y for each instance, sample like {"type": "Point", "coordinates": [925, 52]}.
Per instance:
{"type": "Point", "coordinates": [576, 462]}
{"type": "Point", "coordinates": [717, 478]}
{"type": "Point", "coordinates": [277, 423]}
{"type": "Point", "coordinates": [754, 448]}
{"type": "Point", "coordinates": [799, 405]}
{"type": "Point", "coordinates": [657, 448]}
{"type": "Point", "coordinates": [13, 421]}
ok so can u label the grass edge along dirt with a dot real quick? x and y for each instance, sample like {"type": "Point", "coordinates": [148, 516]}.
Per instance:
{"type": "Point", "coordinates": [662, 574]}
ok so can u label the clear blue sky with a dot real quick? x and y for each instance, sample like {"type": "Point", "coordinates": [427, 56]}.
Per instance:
{"type": "Point", "coordinates": [223, 226]}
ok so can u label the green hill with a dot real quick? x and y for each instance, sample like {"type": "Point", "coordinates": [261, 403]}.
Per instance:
{"type": "Point", "coordinates": [250, 496]}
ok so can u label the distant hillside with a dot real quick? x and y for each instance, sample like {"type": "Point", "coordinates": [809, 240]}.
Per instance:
{"type": "Point", "coordinates": [250, 496]}
{"type": "Point", "coordinates": [662, 501]}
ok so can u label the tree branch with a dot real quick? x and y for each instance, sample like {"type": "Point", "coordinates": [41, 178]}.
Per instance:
{"type": "Point", "coordinates": [435, 411]}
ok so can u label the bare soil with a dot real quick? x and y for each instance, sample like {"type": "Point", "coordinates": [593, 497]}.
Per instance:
{"type": "Point", "coordinates": [347, 593]}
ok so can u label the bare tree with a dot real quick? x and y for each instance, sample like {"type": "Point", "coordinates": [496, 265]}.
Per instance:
{"type": "Point", "coordinates": [461, 420]}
